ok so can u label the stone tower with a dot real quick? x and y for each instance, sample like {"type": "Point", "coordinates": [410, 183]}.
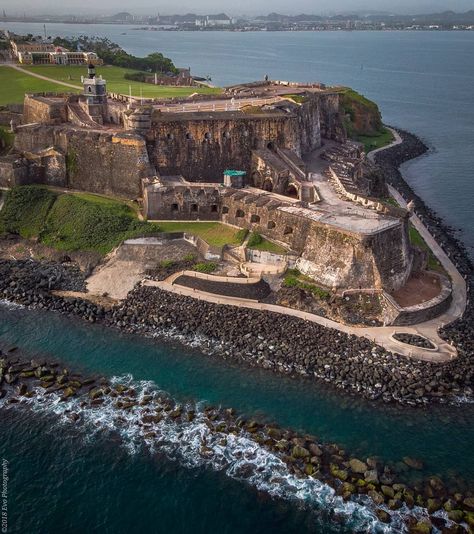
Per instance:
{"type": "Point", "coordinates": [95, 95]}
{"type": "Point", "coordinates": [95, 89]}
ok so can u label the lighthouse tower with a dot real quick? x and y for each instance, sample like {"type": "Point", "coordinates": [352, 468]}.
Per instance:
{"type": "Point", "coordinates": [95, 94]}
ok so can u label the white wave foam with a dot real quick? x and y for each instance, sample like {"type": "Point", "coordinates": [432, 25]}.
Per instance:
{"type": "Point", "coordinates": [193, 445]}
{"type": "Point", "coordinates": [463, 399]}
{"type": "Point", "coordinates": [11, 305]}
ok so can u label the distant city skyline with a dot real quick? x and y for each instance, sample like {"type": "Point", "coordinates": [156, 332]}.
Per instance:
{"type": "Point", "coordinates": [250, 7]}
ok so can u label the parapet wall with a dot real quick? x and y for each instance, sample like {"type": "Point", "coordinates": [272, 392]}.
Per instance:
{"type": "Point", "coordinates": [334, 257]}
{"type": "Point", "coordinates": [47, 108]}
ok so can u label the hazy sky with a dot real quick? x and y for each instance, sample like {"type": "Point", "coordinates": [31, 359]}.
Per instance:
{"type": "Point", "coordinates": [232, 7]}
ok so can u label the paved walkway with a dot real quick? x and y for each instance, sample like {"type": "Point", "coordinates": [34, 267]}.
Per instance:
{"type": "Point", "coordinates": [381, 335]}
{"type": "Point", "coordinates": [230, 104]}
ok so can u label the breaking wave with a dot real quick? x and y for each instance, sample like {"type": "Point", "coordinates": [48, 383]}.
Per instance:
{"type": "Point", "coordinates": [193, 444]}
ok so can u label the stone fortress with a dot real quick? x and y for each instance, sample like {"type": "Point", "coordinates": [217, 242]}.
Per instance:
{"type": "Point", "coordinates": [270, 157]}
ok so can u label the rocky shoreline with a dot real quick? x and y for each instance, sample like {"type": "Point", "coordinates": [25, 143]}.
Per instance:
{"type": "Point", "coordinates": [273, 341]}
{"type": "Point", "coordinates": [419, 505]}
{"type": "Point", "coordinates": [460, 332]}
{"type": "Point", "coordinates": [280, 343]}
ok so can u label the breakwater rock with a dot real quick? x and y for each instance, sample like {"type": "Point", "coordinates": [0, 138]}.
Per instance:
{"type": "Point", "coordinates": [273, 459]}
{"type": "Point", "coordinates": [272, 341]}
{"type": "Point", "coordinates": [460, 332]}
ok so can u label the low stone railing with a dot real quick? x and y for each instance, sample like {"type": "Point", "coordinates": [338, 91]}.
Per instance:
{"type": "Point", "coordinates": [219, 279]}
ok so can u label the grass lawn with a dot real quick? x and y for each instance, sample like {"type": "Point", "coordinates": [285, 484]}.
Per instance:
{"type": "Point", "coordinates": [15, 84]}
{"type": "Point", "coordinates": [116, 83]}
{"type": "Point", "coordinates": [417, 241]}
{"type": "Point", "coordinates": [268, 246]}
{"type": "Point", "coordinates": [214, 233]}
{"type": "Point", "coordinates": [376, 141]}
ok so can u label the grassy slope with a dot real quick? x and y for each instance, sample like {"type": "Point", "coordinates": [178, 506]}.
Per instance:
{"type": "Point", "coordinates": [214, 233]}
{"type": "Point", "coordinates": [83, 221]}
{"type": "Point", "coordinates": [372, 142]}
{"type": "Point", "coordinates": [363, 121]}
{"type": "Point", "coordinates": [75, 223]}
{"type": "Point", "coordinates": [25, 210]}
{"type": "Point", "coordinates": [116, 83]}
{"type": "Point", "coordinates": [418, 241]}
{"type": "Point", "coordinates": [69, 221]}
{"type": "Point", "coordinates": [15, 84]}
{"type": "Point", "coordinates": [268, 246]}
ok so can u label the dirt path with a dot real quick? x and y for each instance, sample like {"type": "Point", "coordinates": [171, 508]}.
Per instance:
{"type": "Point", "coordinates": [41, 77]}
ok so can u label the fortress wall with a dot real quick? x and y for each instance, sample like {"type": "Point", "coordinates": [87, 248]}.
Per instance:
{"type": "Point", "coordinates": [201, 149]}
{"type": "Point", "coordinates": [243, 210]}
{"type": "Point", "coordinates": [182, 203]}
{"type": "Point", "coordinates": [309, 125]}
{"type": "Point", "coordinates": [40, 109]}
{"type": "Point", "coordinates": [392, 256]}
{"type": "Point", "coordinates": [105, 163]}
{"type": "Point", "coordinates": [332, 257]}
{"type": "Point", "coordinates": [34, 138]}
{"type": "Point", "coordinates": [94, 161]}
{"type": "Point", "coordinates": [332, 126]}
{"type": "Point", "coordinates": [337, 259]}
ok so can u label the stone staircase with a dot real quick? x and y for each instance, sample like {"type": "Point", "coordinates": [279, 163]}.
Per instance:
{"type": "Point", "coordinates": [78, 116]}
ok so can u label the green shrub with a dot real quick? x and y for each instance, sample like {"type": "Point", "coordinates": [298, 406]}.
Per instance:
{"type": "Point", "coordinates": [71, 161]}
{"type": "Point", "coordinates": [165, 264]}
{"type": "Point", "coordinates": [189, 257]}
{"type": "Point", "coordinates": [254, 240]}
{"type": "Point", "coordinates": [293, 278]}
{"type": "Point", "coordinates": [6, 140]}
{"type": "Point", "coordinates": [205, 267]}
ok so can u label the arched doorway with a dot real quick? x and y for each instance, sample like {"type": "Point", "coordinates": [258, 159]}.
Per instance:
{"type": "Point", "coordinates": [291, 191]}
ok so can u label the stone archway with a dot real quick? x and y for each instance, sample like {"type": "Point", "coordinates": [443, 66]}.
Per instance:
{"type": "Point", "coordinates": [291, 191]}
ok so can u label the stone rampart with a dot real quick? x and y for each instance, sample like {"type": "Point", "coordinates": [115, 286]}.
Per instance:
{"type": "Point", "coordinates": [96, 161]}
{"type": "Point", "coordinates": [332, 256]}
{"type": "Point", "coordinates": [45, 108]}
{"type": "Point", "coordinates": [394, 314]}
{"type": "Point", "coordinates": [201, 146]}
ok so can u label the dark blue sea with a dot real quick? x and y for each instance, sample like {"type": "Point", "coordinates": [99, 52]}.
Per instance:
{"type": "Point", "coordinates": [97, 477]}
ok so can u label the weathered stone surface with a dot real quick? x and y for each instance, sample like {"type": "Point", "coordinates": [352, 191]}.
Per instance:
{"type": "Point", "coordinates": [358, 466]}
